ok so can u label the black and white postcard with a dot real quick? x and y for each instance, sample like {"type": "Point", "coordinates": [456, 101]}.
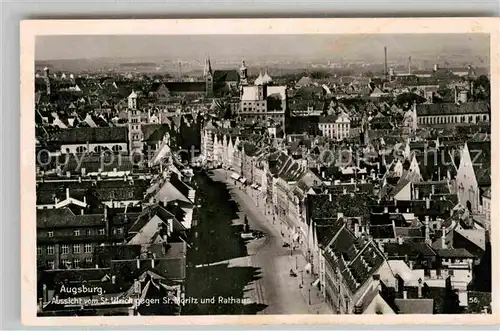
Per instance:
{"type": "Point", "coordinates": [259, 171]}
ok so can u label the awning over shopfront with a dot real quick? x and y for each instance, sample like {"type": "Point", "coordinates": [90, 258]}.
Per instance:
{"type": "Point", "coordinates": [243, 180]}
{"type": "Point", "coordinates": [235, 176]}
{"type": "Point", "coordinates": [307, 268]}
{"type": "Point", "coordinates": [253, 186]}
{"type": "Point", "coordinates": [316, 282]}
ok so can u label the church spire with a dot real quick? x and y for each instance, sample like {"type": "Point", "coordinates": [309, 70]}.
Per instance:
{"type": "Point", "coordinates": [208, 67]}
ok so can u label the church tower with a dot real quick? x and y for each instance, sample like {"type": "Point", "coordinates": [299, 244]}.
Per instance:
{"type": "Point", "coordinates": [134, 125]}
{"type": "Point", "coordinates": [243, 74]}
{"type": "Point", "coordinates": [209, 79]}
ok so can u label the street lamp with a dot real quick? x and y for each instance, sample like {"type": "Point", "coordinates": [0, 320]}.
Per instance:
{"type": "Point", "coordinates": [296, 262]}
{"type": "Point", "coordinates": [309, 295]}
{"type": "Point", "coordinates": [302, 277]}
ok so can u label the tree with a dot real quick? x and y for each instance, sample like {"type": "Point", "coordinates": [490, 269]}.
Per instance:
{"type": "Point", "coordinates": [481, 90]}
{"type": "Point", "coordinates": [451, 303]}
{"type": "Point", "coordinates": [409, 98]}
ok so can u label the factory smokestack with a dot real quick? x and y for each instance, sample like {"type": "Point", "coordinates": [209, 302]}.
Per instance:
{"type": "Point", "coordinates": [385, 62]}
{"type": "Point", "coordinates": [409, 65]}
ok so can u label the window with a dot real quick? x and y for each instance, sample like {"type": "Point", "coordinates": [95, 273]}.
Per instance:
{"type": "Point", "coordinates": [50, 265]}
{"type": "Point", "coordinates": [76, 232]}
{"type": "Point", "coordinates": [88, 232]}
{"type": "Point", "coordinates": [50, 250]}
{"type": "Point", "coordinates": [38, 250]}
{"type": "Point", "coordinates": [102, 232]}
{"type": "Point", "coordinates": [76, 263]}
{"type": "Point", "coordinates": [451, 272]}
{"type": "Point", "coordinates": [65, 264]}
{"type": "Point", "coordinates": [81, 149]}
{"type": "Point", "coordinates": [119, 230]}
{"type": "Point", "coordinates": [64, 249]}
{"type": "Point", "coordinates": [97, 149]}
{"type": "Point", "coordinates": [114, 231]}
{"type": "Point", "coordinates": [87, 248]}
{"type": "Point", "coordinates": [50, 234]}
{"type": "Point", "coordinates": [117, 148]}
{"type": "Point", "coordinates": [76, 249]}
{"type": "Point", "coordinates": [88, 260]}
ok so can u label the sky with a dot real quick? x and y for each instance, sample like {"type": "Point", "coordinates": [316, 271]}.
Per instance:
{"type": "Point", "coordinates": [193, 47]}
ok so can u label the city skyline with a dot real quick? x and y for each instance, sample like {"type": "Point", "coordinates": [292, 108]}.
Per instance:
{"type": "Point", "coordinates": [224, 47]}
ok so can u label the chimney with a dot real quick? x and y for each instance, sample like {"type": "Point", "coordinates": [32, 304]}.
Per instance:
{"type": "Point", "coordinates": [433, 189]}
{"type": "Point", "coordinates": [68, 174]}
{"type": "Point", "coordinates": [352, 180]}
{"type": "Point", "coordinates": [340, 215]}
{"type": "Point", "coordinates": [405, 295]}
{"type": "Point", "coordinates": [152, 263]}
{"type": "Point", "coordinates": [385, 62]}
{"type": "Point", "coordinates": [344, 190]}
{"type": "Point", "coordinates": [427, 203]}
{"type": "Point", "coordinates": [67, 192]}
{"type": "Point", "coordinates": [322, 174]}
{"type": "Point", "coordinates": [56, 200]}
{"type": "Point", "coordinates": [436, 67]}
{"type": "Point", "coordinates": [79, 179]}
{"type": "Point", "coordinates": [427, 231]}
{"type": "Point", "coordinates": [400, 240]}
{"type": "Point", "coordinates": [113, 279]}
{"type": "Point", "coordinates": [420, 288]}
{"type": "Point", "coordinates": [443, 238]}
{"type": "Point", "coordinates": [84, 171]}
{"type": "Point", "coordinates": [96, 266]}
{"type": "Point", "coordinates": [138, 262]}
{"type": "Point", "coordinates": [330, 197]}
{"type": "Point", "coordinates": [410, 264]}
{"type": "Point", "coordinates": [417, 193]}
{"type": "Point", "coordinates": [81, 211]}
{"type": "Point", "coordinates": [386, 210]}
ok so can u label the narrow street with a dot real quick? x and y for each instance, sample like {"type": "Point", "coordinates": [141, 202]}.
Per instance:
{"type": "Point", "coordinates": [280, 292]}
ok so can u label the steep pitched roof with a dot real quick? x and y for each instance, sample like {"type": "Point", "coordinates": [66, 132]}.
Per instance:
{"type": "Point", "coordinates": [226, 76]}
{"type": "Point", "coordinates": [415, 306]}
